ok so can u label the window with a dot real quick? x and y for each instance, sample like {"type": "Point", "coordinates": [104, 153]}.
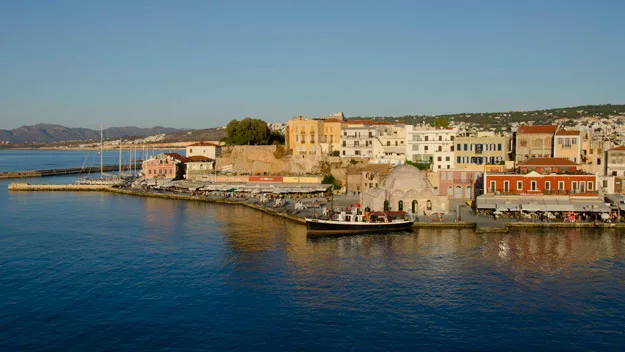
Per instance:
{"type": "Point", "coordinates": [519, 185]}
{"type": "Point", "coordinates": [439, 159]}
{"type": "Point", "coordinates": [425, 148]}
{"type": "Point", "coordinates": [574, 186]}
{"type": "Point", "coordinates": [547, 186]}
{"type": "Point", "coordinates": [590, 185]}
{"type": "Point", "coordinates": [150, 172]}
{"type": "Point", "coordinates": [440, 138]}
{"type": "Point", "coordinates": [451, 148]}
{"type": "Point", "coordinates": [443, 176]}
{"type": "Point", "coordinates": [582, 186]}
{"type": "Point", "coordinates": [560, 185]}
{"type": "Point", "coordinates": [191, 150]}
{"type": "Point", "coordinates": [447, 158]}
{"type": "Point", "coordinates": [426, 138]}
{"type": "Point", "coordinates": [492, 186]}
{"type": "Point", "coordinates": [459, 160]}
{"type": "Point", "coordinates": [499, 147]}
{"type": "Point", "coordinates": [465, 147]}
{"type": "Point", "coordinates": [440, 148]}
{"type": "Point", "coordinates": [533, 185]}
{"type": "Point", "coordinates": [506, 186]}
{"type": "Point", "coordinates": [458, 147]}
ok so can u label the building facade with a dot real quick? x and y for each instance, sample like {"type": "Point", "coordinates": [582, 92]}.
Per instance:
{"type": "Point", "coordinates": [390, 145]}
{"type": "Point", "coordinates": [167, 166]}
{"type": "Point", "coordinates": [480, 148]}
{"type": "Point", "coordinates": [199, 167]}
{"type": "Point", "coordinates": [305, 136]}
{"type": "Point", "coordinates": [425, 144]}
{"type": "Point", "coordinates": [209, 150]}
{"type": "Point", "coordinates": [358, 137]}
{"type": "Point", "coordinates": [615, 161]}
{"type": "Point", "coordinates": [568, 144]}
{"type": "Point", "coordinates": [534, 183]}
{"type": "Point", "coordinates": [460, 183]}
{"type": "Point", "coordinates": [534, 142]}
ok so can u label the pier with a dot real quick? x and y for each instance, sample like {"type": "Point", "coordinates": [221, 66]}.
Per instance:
{"type": "Point", "coordinates": [60, 172]}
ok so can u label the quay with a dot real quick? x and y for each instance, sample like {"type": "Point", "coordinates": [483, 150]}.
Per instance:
{"type": "Point", "coordinates": [60, 172]}
{"type": "Point", "coordinates": [479, 224]}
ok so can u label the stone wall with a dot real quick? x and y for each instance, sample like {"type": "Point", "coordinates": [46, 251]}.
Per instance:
{"type": "Point", "coordinates": [272, 160]}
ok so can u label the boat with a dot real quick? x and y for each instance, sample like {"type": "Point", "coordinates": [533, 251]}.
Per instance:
{"type": "Point", "coordinates": [360, 222]}
{"type": "Point", "coordinates": [104, 179]}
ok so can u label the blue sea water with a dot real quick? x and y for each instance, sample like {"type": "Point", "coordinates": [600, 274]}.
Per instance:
{"type": "Point", "coordinates": [102, 272]}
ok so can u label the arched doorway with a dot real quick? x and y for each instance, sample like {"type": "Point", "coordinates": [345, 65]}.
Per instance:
{"type": "Point", "coordinates": [415, 206]}
{"type": "Point", "coordinates": [458, 193]}
{"type": "Point", "coordinates": [386, 206]}
{"type": "Point", "coordinates": [400, 205]}
{"type": "Point", "coordinates": [468, 192]}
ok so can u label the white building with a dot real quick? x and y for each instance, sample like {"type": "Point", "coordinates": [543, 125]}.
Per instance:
{"type": "Point", "coordinates": [389, 147]}
{"type": "Point", "coordinates": [429, 144]}
{"type": "Point", "coordinates": [207, 149]}
{"type": "Point", "coordinates": [357, 138]}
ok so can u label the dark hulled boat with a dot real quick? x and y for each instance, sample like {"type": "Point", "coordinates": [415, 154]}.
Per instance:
{"type": "Point", "coordinates": [354, 223]}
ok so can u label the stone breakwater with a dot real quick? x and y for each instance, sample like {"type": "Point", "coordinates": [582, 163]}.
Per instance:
{"type": "Point", "coordinates": [501, 227]}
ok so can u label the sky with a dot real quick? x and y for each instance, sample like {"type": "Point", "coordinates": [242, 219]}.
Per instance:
{"type": "Point", "coordinates": [199, 64]}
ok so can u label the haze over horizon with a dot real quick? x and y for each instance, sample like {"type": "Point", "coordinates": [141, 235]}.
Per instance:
{"type": "Point", "coordinates": [196, 64]}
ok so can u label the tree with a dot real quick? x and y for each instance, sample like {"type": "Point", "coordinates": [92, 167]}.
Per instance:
{"type": "Point", "coordinates": [276, 137]}
{"type": "Point", "coordinates": [441, 122]}
{"type": "Point", "coordinates": [330, 180]}
{"type": "Point", "coordinates": [247, 131]}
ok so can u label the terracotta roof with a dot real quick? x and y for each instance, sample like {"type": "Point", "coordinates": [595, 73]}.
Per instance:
{"type": "Point", "coordinates": [177, 156]}
{"type": "Point", "coordinates": [203, 144]}
{"type": "Point", "coordinates": [567, 133]}
{"type": "Point", "coordinates": [198, 158]}
{"type": "Point", "coordinates": [548, 162]}
{"type": "Point", "coordinates": [620, 147]}
{"type": "Point", "coordinates": [538, 129]}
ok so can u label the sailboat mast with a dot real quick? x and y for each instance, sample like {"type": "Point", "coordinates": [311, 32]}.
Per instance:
{"type": "Point", "coordinates": [120, 157]}
{"type": "Point", "coordinates": [101, 145]}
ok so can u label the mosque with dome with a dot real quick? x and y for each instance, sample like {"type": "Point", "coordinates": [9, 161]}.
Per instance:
{"type": "Point", "coordinates": [406, 188]}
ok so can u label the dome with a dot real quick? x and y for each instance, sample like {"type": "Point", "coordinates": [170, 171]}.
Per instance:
{"type": "Point", "coordinates": [405, 178]}
{"type": "Point", "coordinates": [426, 193]}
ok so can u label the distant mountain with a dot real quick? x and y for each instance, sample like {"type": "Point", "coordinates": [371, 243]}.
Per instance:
{"type": "Point", "coordinates": [47, 133]}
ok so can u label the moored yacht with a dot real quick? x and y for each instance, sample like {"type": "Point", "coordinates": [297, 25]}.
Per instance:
{"type": "Point", "coordinates": [360, 222]}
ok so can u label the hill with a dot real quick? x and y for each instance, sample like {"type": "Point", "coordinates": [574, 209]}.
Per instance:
{"type": "Point", "coordinates": [498, 119]}
{"type": "Point", "coordinates": [48, 133]}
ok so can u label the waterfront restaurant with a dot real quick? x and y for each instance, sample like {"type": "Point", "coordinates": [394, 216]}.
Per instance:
{"type": "Point", "coordinates": [542, 185]}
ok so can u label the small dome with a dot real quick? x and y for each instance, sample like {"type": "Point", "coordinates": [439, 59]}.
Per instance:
{"type": "Point", "coordinates": [426, 193]}
{"type": "Point", "coordinates": [405, 178]}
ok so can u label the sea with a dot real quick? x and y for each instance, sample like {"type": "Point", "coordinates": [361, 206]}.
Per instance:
{"type": "Point", "coordinates": [108, 272]}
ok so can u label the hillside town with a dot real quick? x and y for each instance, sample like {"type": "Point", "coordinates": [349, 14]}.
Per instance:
{"type": "Point", "coordinates": [566, 170]}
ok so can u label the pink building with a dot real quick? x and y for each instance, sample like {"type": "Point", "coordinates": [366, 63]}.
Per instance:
{"type": "Point", "coordinates": [460, 184]}
{"type": "Point", "coordinates": [164, 166]}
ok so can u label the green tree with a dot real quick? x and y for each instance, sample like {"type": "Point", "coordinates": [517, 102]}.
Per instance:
{"type": "Point", "coordinates": [276, 137]}
{"type": "Point", "coordinates": [330, 180]}
{"type": "Point", "coordinates": [441, 122]}
{"type": "Point", "coordinates": [247, 131]}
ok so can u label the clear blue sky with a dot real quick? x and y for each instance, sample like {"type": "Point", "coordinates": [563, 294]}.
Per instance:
{"type": "Point", "coordinates": [197, 64]}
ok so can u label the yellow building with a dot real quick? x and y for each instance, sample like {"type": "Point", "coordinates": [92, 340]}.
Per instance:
{"type": "Point", "coordinates": [568, 144]}
{"type": "Point", "coordinates": [312, 136]}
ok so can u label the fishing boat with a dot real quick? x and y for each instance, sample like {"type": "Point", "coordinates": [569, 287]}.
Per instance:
{"type": "Point", "coordinates": [360, 222]}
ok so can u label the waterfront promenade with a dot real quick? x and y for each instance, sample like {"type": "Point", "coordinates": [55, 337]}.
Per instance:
{"type": "Point", "coordinates": [312, 207]}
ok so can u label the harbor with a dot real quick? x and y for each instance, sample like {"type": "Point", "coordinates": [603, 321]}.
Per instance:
{"type": "Point", "coordinates": [297, 208]}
